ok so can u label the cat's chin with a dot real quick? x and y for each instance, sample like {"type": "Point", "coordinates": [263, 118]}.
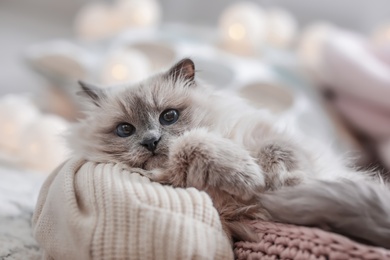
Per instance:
{"type": "Point", "coordinates": [157, 161]}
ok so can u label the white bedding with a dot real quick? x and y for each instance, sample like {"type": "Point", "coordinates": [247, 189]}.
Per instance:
{"type": "Point", "coordinates": [18, 193]}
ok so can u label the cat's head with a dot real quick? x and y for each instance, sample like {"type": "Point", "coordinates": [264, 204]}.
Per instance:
{"type": "Point", "coordinates": [136, 124]}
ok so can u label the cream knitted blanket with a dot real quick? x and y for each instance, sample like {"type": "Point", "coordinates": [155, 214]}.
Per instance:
{"type": "Point", "coordinates": [103, 211]}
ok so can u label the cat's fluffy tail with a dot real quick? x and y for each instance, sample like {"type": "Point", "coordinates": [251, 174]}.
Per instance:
{"type": "Point", "coordinates": [355, 209]}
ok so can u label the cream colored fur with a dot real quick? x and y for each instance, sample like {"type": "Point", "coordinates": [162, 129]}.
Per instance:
{"type": "Point", "coordinates": [219, 144]}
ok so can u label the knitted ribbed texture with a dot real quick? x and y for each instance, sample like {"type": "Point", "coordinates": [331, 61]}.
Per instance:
{"type": "Point", "coordinates": [282, 241]}
{"type": "Point", "coordinates": [101, 211]}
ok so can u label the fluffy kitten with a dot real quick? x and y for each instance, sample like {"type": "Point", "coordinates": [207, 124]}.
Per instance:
{"type": "Point", "coordinates": [177, 131]}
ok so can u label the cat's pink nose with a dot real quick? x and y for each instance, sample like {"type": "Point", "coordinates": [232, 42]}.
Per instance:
{"type": "Point", "coordinates": [150, 143]}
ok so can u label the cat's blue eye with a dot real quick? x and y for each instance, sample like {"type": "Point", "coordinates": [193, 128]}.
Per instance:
{"type": "Point", "coordinates": [125, 130]}
{"type": "Point", "coordinates": [169, 116]}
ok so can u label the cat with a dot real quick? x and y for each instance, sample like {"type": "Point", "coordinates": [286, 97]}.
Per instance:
{"type": "Point", "coordinates": [175, 130]}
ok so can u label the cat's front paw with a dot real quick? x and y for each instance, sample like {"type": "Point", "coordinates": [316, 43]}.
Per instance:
{"type": "Point", "coordinates": [155, 175]}
{"type": "Point", "coordinates": [284, 163]}
{"type": "Point", "coordinates": [206, 160]}
{"type": "Point", "coordinates": [145, 173]}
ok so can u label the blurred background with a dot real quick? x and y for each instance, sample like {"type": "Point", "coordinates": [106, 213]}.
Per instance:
{"type": "Point", "coordinates": [321, 66]}
{"type": "Point", "coordinates": [23, 23]}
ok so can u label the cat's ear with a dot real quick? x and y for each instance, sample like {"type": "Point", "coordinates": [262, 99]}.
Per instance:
{"type": "Point", "coordinates": [184, 69]}
{"type": "Point", "coordinates": [91, 92]}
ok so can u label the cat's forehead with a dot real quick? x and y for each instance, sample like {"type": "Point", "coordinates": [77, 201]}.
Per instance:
{"type": "Point", "coordinates": [155, 94]}
{"type": "Point", "coordinates": [142, 96]}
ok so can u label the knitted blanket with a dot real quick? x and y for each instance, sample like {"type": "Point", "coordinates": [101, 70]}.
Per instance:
{"type": "Point", "coordinates": [282, 241]}
{"type": "Point", "coordinates": [103, 211]}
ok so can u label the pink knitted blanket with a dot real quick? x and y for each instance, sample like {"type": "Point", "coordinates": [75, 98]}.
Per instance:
{"type": "Point", "coordinates": [282, 241]}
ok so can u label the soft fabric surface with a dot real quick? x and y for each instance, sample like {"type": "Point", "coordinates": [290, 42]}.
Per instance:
{"type": "Point", "coordinates": [282, 241]}
{"type": "Point", "coordinates": [18, 192]}
{"type": "Point", "coordinates": [103, 211]}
